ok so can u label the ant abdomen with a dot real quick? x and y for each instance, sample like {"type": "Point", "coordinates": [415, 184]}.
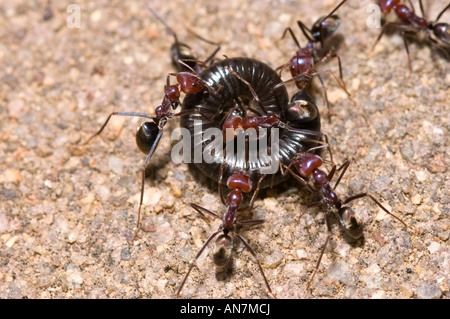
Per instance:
{"type": "Point", "coordinates": [181, 51]}
{"type": "Point", "coordinates": [302, 108]}
{"type": "Point", "coordinates": [146, 135]}
{"type": "Point", "coordinates": [351, 222]}
{"type": "Point", "coordinates": [442, 32]}
{"type": "Point", "coordinates": [324, 28]}
{"type": "Point", "coordinates": [223, 248]}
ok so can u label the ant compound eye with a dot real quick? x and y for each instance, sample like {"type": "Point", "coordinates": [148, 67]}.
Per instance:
{"type": "Point", "coordinates": [146, 135]}
{"type": "Point", "coordinates": [222, 250]}
{"type": "Point", "coordinates": [350, 221]}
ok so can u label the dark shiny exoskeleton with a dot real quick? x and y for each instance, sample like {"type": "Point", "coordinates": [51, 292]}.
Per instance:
{"type": "Point", "coordinates": [411, 24]}
{"type": "Point", "coordinates": [232, 92]}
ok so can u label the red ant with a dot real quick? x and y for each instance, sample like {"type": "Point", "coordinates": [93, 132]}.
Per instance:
{"type": "Point", "coordinates": [149, 134]}
{"type": "Point", "coordinates": [411, 24]}
{"type": "Point", "coordinates": [303, 64]}
{"type": "Point", "coordinates": [301, 109]}
{"type": "Point", "coordinates": [239, 182]}
{"type": "Point", "coordinates": [181, 51]}
{"type": "Point", "coordinates": [308, 165]}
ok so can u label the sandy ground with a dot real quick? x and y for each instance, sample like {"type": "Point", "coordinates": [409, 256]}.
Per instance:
{"type": "Point", "coordinates": [67, 211]}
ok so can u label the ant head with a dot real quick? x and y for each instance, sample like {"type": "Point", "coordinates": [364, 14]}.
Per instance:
{"type": "Point", "coordinates": [223, 248]}
{"type": "Point", "coordinates": [325, 27]}
{"type": "Point", "coordinates": [442, 32]}
{"type": "Point", "coordinates": [350, 221]}
{"type": "Point", "coordinates": [240, 180]}
{"type": "Point", "coordinates": [308, 163]}
{"type": "Point", "coordinates": [301, 107]}
{"type": "Point", "coordinates": [146, 135]}
{"type": "Point", "coordinates": [190, 83]}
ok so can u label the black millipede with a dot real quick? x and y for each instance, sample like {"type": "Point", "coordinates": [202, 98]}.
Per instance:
{"type": "Point", "coordinates": [227, 78]}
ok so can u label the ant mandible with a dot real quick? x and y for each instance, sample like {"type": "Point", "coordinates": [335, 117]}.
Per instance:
{"type": "Point", "coordinates": [307, 165]}
{"type": "Point", "coordinates": [411, 24]}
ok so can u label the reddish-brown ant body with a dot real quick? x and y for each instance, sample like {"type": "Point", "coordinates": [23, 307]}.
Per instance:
{"type": "Point", "coordinates": [411, 24]}
{"type": "Point", "coordinates": [149, 133]}
{"type": "Point", "coordinates": [302, 65]}
{"type": "Point", "coordinates": [238, 183]}
{"type": "Point", "coordinates": [182, 52]}
{"type": "Point", "coordinates": [308, 165]}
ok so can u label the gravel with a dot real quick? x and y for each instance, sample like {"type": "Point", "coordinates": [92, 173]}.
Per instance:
{"type": "Point", "coordinates": [68, 211]}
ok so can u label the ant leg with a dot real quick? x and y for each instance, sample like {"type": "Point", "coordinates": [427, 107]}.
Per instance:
{"type": "Point", "coordinates": [147, 160]}
{"type": "Point", "coordinates": [281, 68]}
{"type": "Point", "coordinates": [325, 97]}
{"type": "Point", "coordinates": [296, 176]}
{"type": "Point", "coordinates": [340, 69]}
{"type": "Point", "coordinates": [440, 13]}
{"type": "Point", "coordinates": [341, 84]}
{"type": "Point", "coordinates": [329, 233]}
{"type": "Point", "coordinates": [344, 169]}
{"type": "Point", "coordinates": [255, 193]}
{"type": "Point", "coordinates": [308, 132]}
{"type": "Point", "coordinates": [387, 25]}
{"type": "Point", "coordinates": [250, 222]}
{"type": "Point", "coordinates": [376, 202]}
{"type": "Point", "coordinates": [288, 29]}
{"type": "Point", "coordinates": [207, 41]}
{"type": "Point", "coordinates": [314, 204]}
{"type": "Point", "coordinates": [440, 47]}
{"type": "Point", "coordinates": [413, 10]}
{"type": "Point", "coordinates": [195, 259]}
{"type": "Point", "coordinates": [405, 42]}
{"type": "Point", "coordinates": [341, 76]}
{"type": "Point", "coordinates": [324, 145]}
{"type": "Point", "coordinates": [148, 116]}
{"type": "Point", "coordinates": [196, 111]}
{"type": "Point", "coordinates": [222, 198]}
{"type": "Point", "coordinates": [202, 210]}
{"type": "Point", "coordinates": [304, 28]}
{"type": "Point", "coordinates": [252, 90]}
{"type": "Point", "coordinates": [256, 258]}
{"type": "Point", "coordinates": [211, 57]}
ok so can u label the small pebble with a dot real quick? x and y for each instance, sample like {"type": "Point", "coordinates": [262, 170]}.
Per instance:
{"type": "Point", "coordinates": [163, 232]}
{"type": "Point", "coordinates": [293, 268]}
{"type": "Point", "coordinates": [434, 247]}
{"type": "Point", "coordinates": [4, 223]}
{"type": "Point", "coordinates": [10, 242]}
{"type": "Point", "coordinates": [10, 175]}
{"type": "Point", "coordinates": [116, 165]}
{"type": "Point", "coordinates": [74, 234]}
{"type": "Point", "coordinates": [302, 254]}
{"type": "Point", "coordinates": [16, 108]}
{"type": "Point", "coordinates": [339, 271]}
{"type": "Point", "coordinates": [125, 254]}
{"type": "Point", "coordinates": [428, 291]}
{"type": "Point", "coordinates": [73, 276]}
{"type": "Point", "coordinates": [416, 199]}
{"type": "Point", "coordinates": [273, 260]}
